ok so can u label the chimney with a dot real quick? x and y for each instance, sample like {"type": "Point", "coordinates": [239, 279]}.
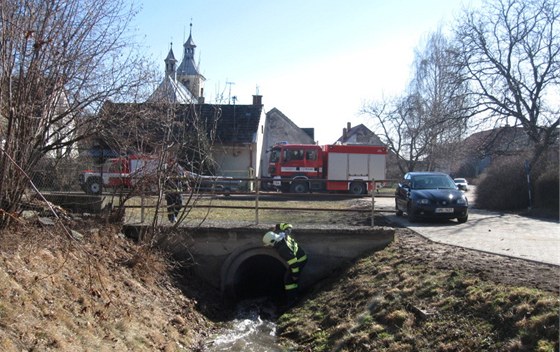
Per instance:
{"type": "Point", "coordinates": [348, 126]}
{"type": "Point", "coordinates": [344, 135]}
{"type": "Point", "coordinates": [257, 99]}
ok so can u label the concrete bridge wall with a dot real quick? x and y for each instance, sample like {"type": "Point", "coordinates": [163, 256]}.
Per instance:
{"type": "Point", "coordinates": [234, 260]}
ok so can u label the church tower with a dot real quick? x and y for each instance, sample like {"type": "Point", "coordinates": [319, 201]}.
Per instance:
{"type": "Point", "coordinates": [170, 90]}
{"type": "Point", "coordinates": [171, 64]}
{"type": "Point", "coordinates": [188, 73]}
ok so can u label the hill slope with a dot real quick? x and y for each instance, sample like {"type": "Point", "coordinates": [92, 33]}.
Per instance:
{"type": "Point", "coordinates": [89, 289]}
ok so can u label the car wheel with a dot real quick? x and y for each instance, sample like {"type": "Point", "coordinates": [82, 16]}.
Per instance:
{"type": "Point", "coordinates": [463, 219]}
{"type": "Point", "coordinates": [357, 188]}
{"type": "Point", "coordinates": [299, 187]}
{"type": "Point", "coordinates": [397, 210]}
{"type": "Point", "coordinates": [410, 214]}
{"type": "Point", "coordinates": [93, 185]}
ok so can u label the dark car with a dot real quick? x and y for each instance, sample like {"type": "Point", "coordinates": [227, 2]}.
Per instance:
{"type": "Point", "coordinates": [432, 195]}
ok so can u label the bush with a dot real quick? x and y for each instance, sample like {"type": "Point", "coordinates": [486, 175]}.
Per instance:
{"type": "Point", "coordinates": [547, 190]}
{"type": "Point", "coordinates": [503, 186]}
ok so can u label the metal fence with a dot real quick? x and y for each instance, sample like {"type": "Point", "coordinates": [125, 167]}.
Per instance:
{"type": "Point", "coordinates": [253, 207]}
{"type": "Point", "coordinates": [57, 180]}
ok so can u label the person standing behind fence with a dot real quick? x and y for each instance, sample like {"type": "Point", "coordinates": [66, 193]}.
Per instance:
{"type": "Point", "coordinates": [173, 197]}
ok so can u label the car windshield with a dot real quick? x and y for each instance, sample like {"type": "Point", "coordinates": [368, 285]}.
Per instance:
{"type": "Point", "coordinates": [432, 182]}
{"type": "Point", "coordinates": [460, 180]}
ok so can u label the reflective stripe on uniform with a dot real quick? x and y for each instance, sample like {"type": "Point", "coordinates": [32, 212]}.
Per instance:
{"type": "Point", "coordinates": [292, 245]}
{"type": "Point", "coordinates": [295, 270]}
{"type": "Point", "coordinates": [292, 261]}
{"type": "Point", "coordinates": [297, 260]}
{"type": "Point", "coordinates": [290, 287]}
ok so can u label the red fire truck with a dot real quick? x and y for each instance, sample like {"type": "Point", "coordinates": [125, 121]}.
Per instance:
{"type": "Point", "coordinates": [118, 172]}
{"type": "Point", "coordinates": [127, 172]}
{"type": "Point", "coordinates": [301, 168]}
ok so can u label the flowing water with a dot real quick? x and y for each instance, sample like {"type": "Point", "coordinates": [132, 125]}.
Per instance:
{"type": "Point", "coordinates": [252, 330]}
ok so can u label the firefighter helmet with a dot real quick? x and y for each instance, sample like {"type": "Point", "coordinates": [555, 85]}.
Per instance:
{"type": "Point", "coordinates": [270, 238]}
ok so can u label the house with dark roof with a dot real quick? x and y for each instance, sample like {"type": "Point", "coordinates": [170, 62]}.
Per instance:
{"type": "Point", "coordinates": [232, 133]}
{"type": "Point", "coordinates": [238, 138]}
{"type": "Point", "coordinates": [358, 135]}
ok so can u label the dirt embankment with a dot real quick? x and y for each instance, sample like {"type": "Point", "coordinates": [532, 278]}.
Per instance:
{"type": "Point", "coordinates": [90, 290]}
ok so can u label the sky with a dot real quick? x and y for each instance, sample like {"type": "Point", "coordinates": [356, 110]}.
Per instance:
{"type": "Point", "coordinates": [317, 61]}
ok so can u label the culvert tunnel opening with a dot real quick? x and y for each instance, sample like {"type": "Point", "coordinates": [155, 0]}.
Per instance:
{"type": "Point", "coordinates": [260, 276]}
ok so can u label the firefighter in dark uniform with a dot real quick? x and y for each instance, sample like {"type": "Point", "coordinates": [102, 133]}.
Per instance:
{"type": "Point", "coordinates": [283, 242]}
{"type": "Point", "coordinates": [173, 197]}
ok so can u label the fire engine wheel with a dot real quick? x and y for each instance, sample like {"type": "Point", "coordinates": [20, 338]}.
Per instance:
{"type": "Point", "coordinates": [299, 187]}
{"type": "Point", "coordinates": [93, 186]}
{"type": "Point", "coordinates": [357, 188]}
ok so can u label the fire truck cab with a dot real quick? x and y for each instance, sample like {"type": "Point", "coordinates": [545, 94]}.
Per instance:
{"type": "Point", "coordinates": [301, 168]}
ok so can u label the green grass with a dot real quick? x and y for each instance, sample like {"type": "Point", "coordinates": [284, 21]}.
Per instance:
{"type": "Point", "coordinates": [241, 210]}
{"type": "Point", "coordinates": [393, 301]}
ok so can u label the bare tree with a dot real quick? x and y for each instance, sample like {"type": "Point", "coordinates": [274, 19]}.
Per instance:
{"type": "Point", "coordinates": [59, 60]}
{"type": "Point", "coordinates": [511, 54]}
{"type": "Point", "coordinates": [421, 126]}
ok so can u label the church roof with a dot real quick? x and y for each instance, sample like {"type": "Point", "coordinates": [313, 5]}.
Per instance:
{"type": "Point", "coordinates": [171, 91]}
{"type": "Point", "coordinates": [188, 66]}
{"type": "Point", "coordinates": [190, 42]}
{"type": "Point", "coordinates": [170, 56]}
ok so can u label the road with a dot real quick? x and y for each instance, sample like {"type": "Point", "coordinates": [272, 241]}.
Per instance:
{"type": "Point", "coordinates": [493, 232]}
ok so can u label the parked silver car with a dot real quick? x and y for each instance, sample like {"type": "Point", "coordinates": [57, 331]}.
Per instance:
{"type": "Point", "coordinates": [462, 184]}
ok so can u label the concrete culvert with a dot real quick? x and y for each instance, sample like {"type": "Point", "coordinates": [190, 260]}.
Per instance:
{"type": "Point", "coordinates": [251, 273]}
{"type": "Point", "coordinates": [259, 276]}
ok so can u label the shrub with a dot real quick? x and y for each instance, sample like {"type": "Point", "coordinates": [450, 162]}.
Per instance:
{"type": "Point", "coordinates": [504, 185]}
{"type": "Point", "coordinates": [547, 190]}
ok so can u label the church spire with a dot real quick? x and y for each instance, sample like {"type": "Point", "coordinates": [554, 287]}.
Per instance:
{"type": "Point", "coordinates": [170, 63]}
{"type": "Point", "coordinates": [189, 46]}
{"type": "Point", "coordinates": [187, 72]}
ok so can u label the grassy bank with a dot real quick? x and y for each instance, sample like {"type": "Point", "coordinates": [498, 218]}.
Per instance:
{"type": "Point", "coordinates": [404, 300]}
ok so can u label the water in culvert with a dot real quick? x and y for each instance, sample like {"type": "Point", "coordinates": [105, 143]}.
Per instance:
{"type": "Point", "coordinates": [252, 330]}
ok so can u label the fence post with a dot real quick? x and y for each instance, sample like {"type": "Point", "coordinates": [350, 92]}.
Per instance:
{"type": "Point", "coordinates": [374, 188]}
{"type": "Point", "coordinates": [142, 208]}
{"type": "Point", "coordinates": [257, 185]}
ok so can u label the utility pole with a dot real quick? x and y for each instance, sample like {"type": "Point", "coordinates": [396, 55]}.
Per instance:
{"type": "Point", "coordinates": [229, 94]}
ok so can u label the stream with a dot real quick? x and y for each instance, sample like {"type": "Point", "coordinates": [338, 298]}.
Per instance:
{"type": "Point", "coordinates": [252, 330]}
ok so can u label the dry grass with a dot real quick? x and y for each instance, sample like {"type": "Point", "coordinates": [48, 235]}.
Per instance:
{"type": "Point", "coordinates": [241, 209]}
{"type": "Point", "coordinates": [100, 293]}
